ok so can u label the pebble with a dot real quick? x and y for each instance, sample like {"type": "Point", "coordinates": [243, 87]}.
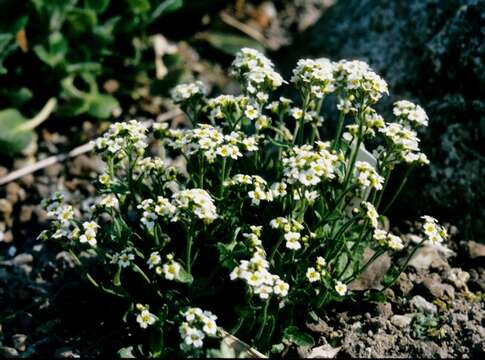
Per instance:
{"type": "Point", "coordinates": [19, 342]}
{"type": "Point", "coordinates": [402, 321]}
{"type": "Point", "coordinates": [420, 303]}
{"type": "Point", "coordinates": [457, 277]}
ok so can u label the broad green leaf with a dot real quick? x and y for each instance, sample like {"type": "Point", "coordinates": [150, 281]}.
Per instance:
{"type": "Point", "coordinates": [98, 5]}
{"type": "Point", "coordinates": [297, 337]}
{"type": "Point", "coordinates": [56, 51]}
{"type": "Point", "coordinates": [16, 132]}
{"type": "Point", "coordinates": [82, 20]}
{"type": "Point", "coordinates": [101, 106]}
{"type": "Point", "coordinates": [185, 277]}
{"type": "Point", "coordinates": [126, 353]}
{"type": "Point", "coordinates": [12, 140]}
{"type": "Point", "coordinates": [230, 43]}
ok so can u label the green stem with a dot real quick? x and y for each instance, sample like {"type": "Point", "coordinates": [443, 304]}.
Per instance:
{"type": "Point", "coordinates": [338, 132]}
{"type": "Point", "coordinates": [188, 261]}
{"type": "Point", "coordinates": [263, 323]}
{"type": "Point", "coordinates": [405, 263]}
{"type": "Point", "coordinates": [223, 177]}
{"type": "Point", "coordinates": [401, 186]}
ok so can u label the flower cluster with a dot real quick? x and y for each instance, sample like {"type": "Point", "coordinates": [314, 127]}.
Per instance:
{"type": "Point", "coordinates": [153, 209]}
{"type": "Point", "coordinates": [359, 84]}
{"type": "Point", "coordinates": [186, 92]}
{"type": "Point", "coordinates": [255, 72]}
{"type": "Point", "coordinates": [211, 142]}
{"type": "Point", "coordinates": [434, 232]}
{"type": "Point", "coordinates": [405, 143]}
{"type": "Point", "coordinates": [122, 138]}
{"type": "Point", "coordinates": [307, 167]}
{"type": "Point", "coordinates": [410, 114]}
{"type": "Point", "coordinates": [259, 188]}
{"type": "Point", "coordinates": [314, 77]}
{"type": "Point", "coordinates": [292, 231]}
{"type": "Point", "coordinates": [89, 236]}
{"type": "Point", "coordinates": [197, 325]}
{"type": "Point", "coordinates": [388, 240]}
{"type": "Point", "coordinates": [145, 318]}
{"type": "Point", "coordinates": [371, 213]}
{"type": "Point", "coordinates": [367, 176]}
{"type": "Point", "coordinates": [197, 202]}
{"type": "Point", "coordinates": [170, 270]}
{"type": "Point", "coordinates": [255, 271]}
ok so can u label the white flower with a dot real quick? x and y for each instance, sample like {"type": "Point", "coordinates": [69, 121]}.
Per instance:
{"type": "Point", "coordinates": [109, 201]}
{"type": "Point", "coordinates": [251, 112]}
{"type": "Point", "coordinates": [340, 288]}
{"type": "Point", "coordinates": [264, 291]}
{"type": "Point", "coordinates": [171, 270]}
{"type": "Point", "coordinates": [312, 275]}
{"type": "Point", "coordinates": [154, 260]}
{"type": "Point", "coordinates": [194, 338]}
{"type": "Point", "coordinates": [210, 326]}
{"type": "Point", "coordinates": [371, 214]}
{"type": "Point", "coordinates": [145, 318]}
{"type": "Point", "coordinates": [281, 288]}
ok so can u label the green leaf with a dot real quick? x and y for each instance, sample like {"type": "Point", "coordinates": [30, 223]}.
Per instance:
{"type": "Point", "coordinates": [166, 7]}
{"type": "Point", "coordinates": [56, 51]}
{"type": "Point", "coordinates": [82, 20]}
{"type": "Point", "coordinates": [126, 353]}
{"type": "Point", "coordinates": [101, 106]}
{"type": "Point", "coordinates": [98, 5]}
{"type": "Point", "coordinates": [16, 131]}
{"type": "Point", "coordinates": [184, 277]}
{"type": "Point", "coordinates": [139, 6]}
{"type": "Point", "coordinates": [297, 337]}
{"type": "Point", "coordinates": [78, 68]}
{"type": "Point", "coordinates": [230, 43]}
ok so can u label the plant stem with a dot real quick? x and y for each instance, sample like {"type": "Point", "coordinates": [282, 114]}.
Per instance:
{"type": "Point", "coordinates": [223, 176]}
{"type": "Point", "coordinates": [338, 132]}
{"type": "Point", "coordinates": [401, 186]}
{"type": "Point", "coordinates": [405, 263]}
{"type": "Point", "coordinates": [189, 252]}
{"type": "Point", "coordinates": [263, 323]}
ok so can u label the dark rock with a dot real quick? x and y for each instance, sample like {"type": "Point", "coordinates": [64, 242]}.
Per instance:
{"type": "Point", "coordinates": [430, 52]}
{"type": "Point", "coordinates": [477, 280]}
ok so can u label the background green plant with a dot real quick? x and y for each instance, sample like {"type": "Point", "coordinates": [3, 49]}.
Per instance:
{"type": "Point", "coordinates": [67, 49]}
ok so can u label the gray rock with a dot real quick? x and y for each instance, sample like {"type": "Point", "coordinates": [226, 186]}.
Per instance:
{"type": "Point", "coordinates": [402, 321]}
{"type": "Point", "coordinates": [435, 289]}
{"type": "Point", "coordinates": [476, 250]}
{"type": "Point", "coordinates": [419, 303]}
{"type": "Point", "coordinates": [428, 257]}
{"type": "Point", "coordinates": [457, 277]}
